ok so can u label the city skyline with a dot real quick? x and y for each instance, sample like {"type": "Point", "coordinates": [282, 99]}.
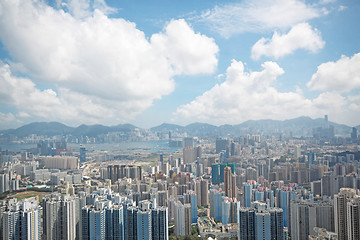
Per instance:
{"type": "Point", "coordinates": [110, 62]}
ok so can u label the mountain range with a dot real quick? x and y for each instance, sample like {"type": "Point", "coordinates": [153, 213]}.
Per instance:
{"type": "Point", "coordinates": [301, 126]}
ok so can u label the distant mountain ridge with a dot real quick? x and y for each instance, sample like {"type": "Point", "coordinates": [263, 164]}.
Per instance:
{"type": "Point", "coordinates": [301, 126]}
{"type": "Point", "coordinates": [56, 128]}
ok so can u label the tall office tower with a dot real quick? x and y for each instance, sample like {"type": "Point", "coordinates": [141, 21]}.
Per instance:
{"type": "Point", "coordinates": [215, 174]}
{"type": "Point", "coordinates": [215, 204]}
{"type": "Point", "coordinates": [277, 223]}
{"type": "Point", "coordinates": [262, 225]}
{"type": "Point", "coordinates": [188, 142]}
{"type": "Point", "coordinates": [59, 216]}
{"type": "Point", "coordinates": [191, 198]}
{"type": "Point", "coordinates": [204, 192]}
{"type": "Point", "coordinates": [354, 134]}
{"type": "Point", "coordinates": [222, 144]}
{"type": "Point", "coordinates": [144, 224]}
{"type": "Point", "coordinates": [340, 211]}
{"type": "Point", "coordinates": [82, 154]}
{"type": "Point", "coordinates": [22, 221]}
{"type": "Point", "coordinates": [247, 224]}
{"type": "Point", "coordinates": [353, 218]}
{"type": "Point", "coordinates": [230, 184]}
{"type": "Point", "coordinates": [159, 221]}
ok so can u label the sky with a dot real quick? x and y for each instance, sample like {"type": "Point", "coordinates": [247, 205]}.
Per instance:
{"type": "Point", "coordinates": [150, 62]}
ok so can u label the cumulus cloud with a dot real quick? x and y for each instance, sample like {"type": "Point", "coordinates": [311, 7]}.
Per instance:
{"type": "Point", "coordinates": [8, 120]}
{"type": "Point", "coordinates": [342, 75]}
{"type": "Point", "coordinates": [301, 36]}
{"type": "Point", "coordinates": [96, 61]}
{"type": "Point", "coordinates": [251, 96]}
{"type": "Point", "coordinates": [65, 105]}
{"type": "Point", "coordinates": [188, 52]}
{"type": "Point", "coordinates": [257, 16]}
{"type": "Point", "coordinates": [244, 96]}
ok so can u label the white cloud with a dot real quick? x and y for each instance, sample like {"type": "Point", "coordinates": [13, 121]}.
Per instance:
{"type": "Point", "coordinates": [188, 52]}
{"type": "Point", "coordinates": [251, 96]}
{"type": "Point", "coordinates": [301, 36]}
{"type": "Point", "coordinates": [67, 105]}
{"type": "Point", "coordinates": [342, 75]}
{"type": "Point", "coordinates": [342, 8]}
{"type": "Point", "coordinates": [257, 16]}
{"type": "Point", "coordinates": [95, 61]}
{"type": "Point", "coordinates": [8, 120]}
{"type": "Point", "coordinates": [84, 8]}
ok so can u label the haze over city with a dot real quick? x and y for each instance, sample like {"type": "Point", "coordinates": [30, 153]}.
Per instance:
{"type": "Point", "coordinates": [176, 120]}
{"type": "Point", "coordinates": [149, 62]}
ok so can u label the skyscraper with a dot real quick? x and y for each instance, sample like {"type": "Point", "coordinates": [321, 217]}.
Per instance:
{"type": "Point", "coordinates": [182, 219]}
{"type": "Point", "coordinates": [114, 222]}
{"type": "Point", "coordinates": [229, 183]}
{"type": "Point", "coordinates": [144, 224]}
{"type": "Point", "coordinates": [215, 204]}
{"type": "Point", "coordinates": [340, 211]}
{"type": "Point", "coordinates": [22, 221]}
{"type": "Point", "coordinates": [82, 153]}
{"type": "Point", "coordinates": [159, 221]}
{"type": "Point", "coordinates": [204, 192]}
{"type": "Point", "coordinates": [131, 223]}
{"type": "Point", "coordinates": [222, 144]}
{"type": "Point", "coordinates": [215, 174]}
{"type": "Point", "coordinates": [97, 224]}
{"type": "Point", "coordinates": [246, 224]}
{"type": "Point", "coordinates": [191, 198]}
{"type": "Point", "coordinates": [353, 218]}
{"type": "Point", "coordinates": [261, 223]}
{"type": "Point", "coordinates": [277, 223]}
{"type": "Point", "coordinates": [59, 216]}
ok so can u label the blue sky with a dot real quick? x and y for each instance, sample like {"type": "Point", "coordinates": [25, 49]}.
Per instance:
{"type": "Point", "coordinates": [149, 62]}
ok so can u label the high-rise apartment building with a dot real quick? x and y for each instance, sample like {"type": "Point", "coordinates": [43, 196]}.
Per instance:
{"type": "Point", "coordinates": [229, 183]}
{"type": "Point", "coordinates": [261, 223]}
{"type": "Point", "coordinates": [144, 227]}
{"type": "Point", "coordinates": [204, 192]}
{"type": "Point", "coordinates": [182, 219]}
{"type": "Point", "coordinates": [22, 221]}
{"type": "Point", "coordinates": [160, 218]}
{"type": "Point", "coordinates": [60, 218]}
{"type": "Point", "coordinates": [340, 211]}
{"type": "Point", "coordinates": [353, 218]}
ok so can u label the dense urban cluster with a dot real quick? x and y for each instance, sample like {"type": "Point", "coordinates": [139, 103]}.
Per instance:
{"type": "Point", "coordinates": [252, 186]}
